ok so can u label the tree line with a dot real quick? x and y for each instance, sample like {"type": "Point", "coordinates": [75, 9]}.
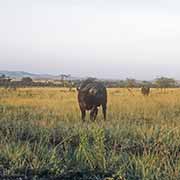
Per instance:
{"type": "Point", "coordinates": [162, 82]}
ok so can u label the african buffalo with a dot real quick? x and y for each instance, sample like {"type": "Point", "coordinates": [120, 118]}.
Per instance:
{"type": "Point", "coordinates": [91, 95]}
{"type": "Point", "coordinates": [145, 90]}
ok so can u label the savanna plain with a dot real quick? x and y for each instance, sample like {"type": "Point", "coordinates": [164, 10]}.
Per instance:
{"type": "Point", "coordinates": [42, 135]}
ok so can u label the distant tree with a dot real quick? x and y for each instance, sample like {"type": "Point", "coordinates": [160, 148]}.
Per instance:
{"type": "Point", "coordinates": [91, 79]}
{"type": "Point", "coordinates": [26, 81]}
{"type": "Point", "coordinates": [164, 82]}
{"type": "Point", "coordinates": [120, 83]}
{"type": "Point", "coordinates": [2, 76]}
{"type": "Point", "coordinates": [146, 84]}
{"type": "Point", "coordinates": [70, 85]}
{"type": "Point", "coordinates": [131, 83]}
{"type": "Point", "coordinates": [64, 79]}
{"type": "Point", "coordinates": [5, 81]}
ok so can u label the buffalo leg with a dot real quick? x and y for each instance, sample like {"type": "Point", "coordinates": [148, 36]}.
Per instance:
{"type": "Point", "coordinates": [93, 113]}
{"type": "Point", "coordinates": [104, 111]}
{"type": "Point", "coordinates": [83, 114]}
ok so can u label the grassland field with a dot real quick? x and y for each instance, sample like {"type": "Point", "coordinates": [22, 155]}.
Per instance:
{"type": "Point", "coordinates": [42, 135]}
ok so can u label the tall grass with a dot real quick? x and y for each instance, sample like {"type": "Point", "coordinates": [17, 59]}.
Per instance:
{"type": "Point", "coordinates": [41, 134]}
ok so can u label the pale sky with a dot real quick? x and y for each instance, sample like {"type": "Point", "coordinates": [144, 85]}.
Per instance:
{"type": "Point", "coordinates": [107, 39]}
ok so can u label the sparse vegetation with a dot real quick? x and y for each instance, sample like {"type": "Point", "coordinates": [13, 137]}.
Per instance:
{"type": "Point", "coordinates": [42, 135]}
{"type": "Point", "coordinates": [164, 82]}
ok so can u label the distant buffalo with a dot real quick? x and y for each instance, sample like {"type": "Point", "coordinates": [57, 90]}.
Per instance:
{"type": "Point", "coordinates": [91, 95]}
{"type": "Point", "coordinates": [145, 90]}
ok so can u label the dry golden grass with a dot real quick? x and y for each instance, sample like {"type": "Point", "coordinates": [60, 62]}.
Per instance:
{"type": "Point", "coordinates": [62, 101]}
{"type": "Point", "coordinates": [121, 103]}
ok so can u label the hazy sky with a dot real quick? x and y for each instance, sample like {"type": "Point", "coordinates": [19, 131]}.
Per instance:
{"type": "Point", "coordinates": [110, 38]}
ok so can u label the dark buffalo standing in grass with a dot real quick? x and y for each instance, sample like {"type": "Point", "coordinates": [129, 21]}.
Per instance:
{"type": "Point", "coordinates": [145, 90]}
{"type": "Point", "coordinates": [91, 95]}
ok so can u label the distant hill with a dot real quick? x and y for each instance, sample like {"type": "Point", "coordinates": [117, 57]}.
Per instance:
{"type": "Point", "coordinates": [21, 74]}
